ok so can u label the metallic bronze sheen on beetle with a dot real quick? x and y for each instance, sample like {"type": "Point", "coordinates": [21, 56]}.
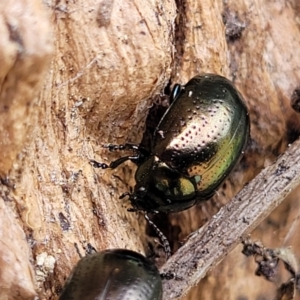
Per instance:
{"type": "Point", "coordinates": [117, 274]}
{"type": "Point", "coordinates": [197, 143]}
{"type": "Point", "coordinates": [204, 132]}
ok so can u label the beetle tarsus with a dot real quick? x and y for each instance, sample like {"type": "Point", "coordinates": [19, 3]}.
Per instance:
{"type": "Point", "coordinates": [126, 146]}
{"type": "Point", "coordinates": [98, 165]}
{"type": "Point", "coordinates": [167, 276]}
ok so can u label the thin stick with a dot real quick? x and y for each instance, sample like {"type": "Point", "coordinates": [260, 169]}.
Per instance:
{"type": "Point", "coordinates": [211, 243]}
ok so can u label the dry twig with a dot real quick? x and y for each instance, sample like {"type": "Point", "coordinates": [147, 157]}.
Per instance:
{"type": "Point", "coordinates": [212, 242]}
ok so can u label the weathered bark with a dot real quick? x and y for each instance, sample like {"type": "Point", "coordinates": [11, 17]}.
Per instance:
{"type": "Point", "coordinates": [25, 53]}
{"type": "Point", "coordinates": [111, 61]}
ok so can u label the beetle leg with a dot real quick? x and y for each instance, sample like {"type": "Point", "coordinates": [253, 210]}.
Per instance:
{"type": "Point", "coordinates": [141, 153]}
{"type": "Point", "coordinates": [170, 275]}
{"type": "Point", "coordinates": [96, 164]}
{"type": "Point", "coordinates": [113, 164]}
{"type": "Point", "coordinates": [126, 146]}
{"type": "Point", "coordinates": [167, 276]}
{"type": "Point", "coordinates": [162, 237]}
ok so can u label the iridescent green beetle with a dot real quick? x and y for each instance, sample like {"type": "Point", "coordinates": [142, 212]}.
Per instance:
{"type": "Point", "coordinates": [196, 144]}
{"type": "Point", "coordinates": [116, 274]}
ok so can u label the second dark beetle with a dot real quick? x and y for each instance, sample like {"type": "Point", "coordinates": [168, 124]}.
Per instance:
{"type": "Point", "coordinates": [115, 274]}
{"type": "Point", "coordinates": [196, 144]}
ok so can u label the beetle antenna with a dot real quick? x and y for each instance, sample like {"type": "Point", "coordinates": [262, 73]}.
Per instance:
{"type": "Point", "coordinates": [161, 236]}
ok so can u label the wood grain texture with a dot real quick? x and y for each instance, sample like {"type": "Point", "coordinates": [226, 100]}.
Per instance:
{"type": "Point", "coordinates": [110, 58]}
{"type": "Point", "coordinates": [25, 54]}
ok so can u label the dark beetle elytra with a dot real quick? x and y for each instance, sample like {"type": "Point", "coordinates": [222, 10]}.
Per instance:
{"type": "Point", "coordinates": [196, 144]}
{"type": "Point", "coordinates": [117, 274]}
